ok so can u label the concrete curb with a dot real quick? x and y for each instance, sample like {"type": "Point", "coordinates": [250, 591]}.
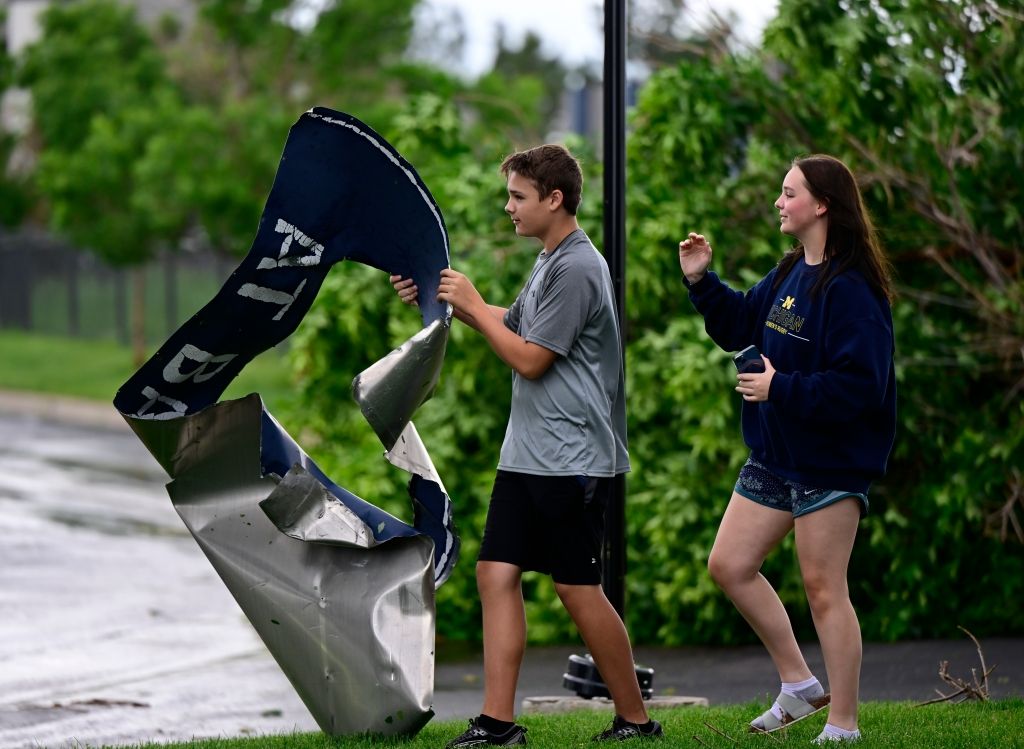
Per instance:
{"type": "Point", "coordinates": [569, 704]}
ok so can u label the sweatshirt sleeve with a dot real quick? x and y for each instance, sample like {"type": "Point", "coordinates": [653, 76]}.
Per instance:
{"type": "Point", "coordinates": [731, 318]}
{"type": "Point", "coordinates": [854, 371]}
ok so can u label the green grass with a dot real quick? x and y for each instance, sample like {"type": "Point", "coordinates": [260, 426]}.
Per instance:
{"type": "Point", "coordinates": [895, 725]}
{"type": "Point", "coordinates": [94, 370]}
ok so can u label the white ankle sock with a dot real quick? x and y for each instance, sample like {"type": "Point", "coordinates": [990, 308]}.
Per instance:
{"type": "Point", "coordinates": [835, 733]}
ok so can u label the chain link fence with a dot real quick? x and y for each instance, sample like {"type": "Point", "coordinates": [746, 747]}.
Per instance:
{"type": "Point", "coordinates": [51, 288]}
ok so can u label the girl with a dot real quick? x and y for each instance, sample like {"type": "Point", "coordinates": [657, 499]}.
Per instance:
{"type": "Point", "coordinates": [819, 421]}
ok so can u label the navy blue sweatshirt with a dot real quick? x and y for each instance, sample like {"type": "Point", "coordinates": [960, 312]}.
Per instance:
{"type": "Point", "coordinates": [830, 417]}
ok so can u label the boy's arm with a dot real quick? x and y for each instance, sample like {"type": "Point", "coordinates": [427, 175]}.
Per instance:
{"type": "Point", "coordinates": [528, 359]}
{"type": "Point", "coordinates": [408, 292]}
{"type": "Point", "coordinates": [498, 312]}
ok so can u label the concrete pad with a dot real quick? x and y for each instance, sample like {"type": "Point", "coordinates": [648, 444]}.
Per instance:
{"type": "Point", "coordinates": [558, 704]}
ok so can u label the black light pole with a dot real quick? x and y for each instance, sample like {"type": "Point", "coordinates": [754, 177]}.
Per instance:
{"type": "Point", "coordinates": [614, 140]}
{"type": "Point", "coordinates": [582, 676]}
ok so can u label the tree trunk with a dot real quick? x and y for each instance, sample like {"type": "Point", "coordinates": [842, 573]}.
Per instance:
{"type": "Point", "coordinates": [138, 274]}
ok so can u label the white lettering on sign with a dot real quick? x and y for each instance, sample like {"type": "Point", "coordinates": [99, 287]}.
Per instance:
{"type": "Point", "coordinates": [177, 407]}
{"type": "Point", "coordinates": [283, 259]}
{"type": "Point", "coordinates": [271, 296]}
{"type": "Point", "coordinates": [206, 364]}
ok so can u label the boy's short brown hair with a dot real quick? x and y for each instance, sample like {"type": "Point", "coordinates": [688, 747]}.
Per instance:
{"type": "Point", "coordinates": [549, 167]}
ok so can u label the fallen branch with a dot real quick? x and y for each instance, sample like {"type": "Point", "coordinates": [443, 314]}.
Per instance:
{"type": "Point", "coordinates": [720, 733]}
{"type": "Point", "coordinates": [974, 690]}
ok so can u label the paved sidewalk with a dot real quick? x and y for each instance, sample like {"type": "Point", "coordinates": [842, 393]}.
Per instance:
{"type": "Point", "coordinates": [62, 409]}
{"type": "Point", "coordinates": [904, 671]}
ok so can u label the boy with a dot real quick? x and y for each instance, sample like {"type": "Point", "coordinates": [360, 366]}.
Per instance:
{"type": "Point", "coordinates": [565, 441]}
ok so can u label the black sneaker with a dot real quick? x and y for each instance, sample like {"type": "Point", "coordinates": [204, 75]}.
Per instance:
{"type": "Point", "coordinates": [622, 730]}
{"type": "Point", "coordinates": [476, 735]}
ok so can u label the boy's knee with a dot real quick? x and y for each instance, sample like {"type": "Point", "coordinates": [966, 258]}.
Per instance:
{"type": "Point", "coordinates": [573, 595]}
{"type": "Point", "coordinates": [494, 576]}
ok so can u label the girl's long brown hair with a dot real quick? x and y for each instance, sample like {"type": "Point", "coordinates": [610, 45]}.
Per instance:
{"type": "Point", "coordinates": [851, 242]}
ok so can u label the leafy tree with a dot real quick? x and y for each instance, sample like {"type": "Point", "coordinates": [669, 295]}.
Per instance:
{"type": "Point", "coordinates": [239, 48]}
{"type": "Point", "coordinates": [15, 196]}
{"type": "Point", "coordinates": [663, 31]}
{"type": "Point", "coordinates": [99, 93]}
{"type": "Point", "coordinates": [546, 71]}
{"type": "Point", "coordinates": [100, 45]}
{"type": "Point", "coordinates": [354, 41]}
{"type": "Point", "coordinates": [347, 55]}
{"type": "Point", "coordinates": [210, 169]}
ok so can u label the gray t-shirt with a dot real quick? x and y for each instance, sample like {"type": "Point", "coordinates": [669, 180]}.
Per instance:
{"type": "Point", "coordinates": [572, 419]}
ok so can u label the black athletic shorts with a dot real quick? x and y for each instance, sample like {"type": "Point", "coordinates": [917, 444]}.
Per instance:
{"type": "Point", "coordinates": [549, 524]}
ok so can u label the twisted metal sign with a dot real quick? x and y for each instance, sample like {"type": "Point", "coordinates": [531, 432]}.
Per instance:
{"type": "Point", "coordinates": [340, 591]}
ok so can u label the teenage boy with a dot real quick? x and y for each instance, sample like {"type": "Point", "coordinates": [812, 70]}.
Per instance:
{"type": "Point", "coordinates": [565, 441]}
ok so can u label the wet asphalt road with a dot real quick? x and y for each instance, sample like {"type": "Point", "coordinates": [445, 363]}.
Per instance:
{"type": "Point", "coordinates": [114, 629]}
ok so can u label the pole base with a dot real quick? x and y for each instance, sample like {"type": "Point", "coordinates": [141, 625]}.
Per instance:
{"type": "Point", "coordinates": [584, 679]}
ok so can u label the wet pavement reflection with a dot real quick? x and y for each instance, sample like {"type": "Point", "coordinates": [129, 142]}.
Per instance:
{"type": "Point", "coordinates": [114, 628]}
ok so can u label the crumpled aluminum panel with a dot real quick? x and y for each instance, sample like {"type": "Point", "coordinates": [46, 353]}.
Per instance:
{"type": "Point", "coordinates": [390, 390]}
{"type": "Point", "coordinates": [341, 592]}
{"type": "Point", "coordinates": [348, 620]}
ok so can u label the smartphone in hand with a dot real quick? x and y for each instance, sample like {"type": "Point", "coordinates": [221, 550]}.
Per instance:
{"type": "Point", "coordinates": [749, 360]}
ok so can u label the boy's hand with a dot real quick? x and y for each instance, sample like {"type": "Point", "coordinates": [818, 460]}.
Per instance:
{"type": "Point", "coordinates": [459, 291]}
{"type": "Point", "coordinates": [406, 289]}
